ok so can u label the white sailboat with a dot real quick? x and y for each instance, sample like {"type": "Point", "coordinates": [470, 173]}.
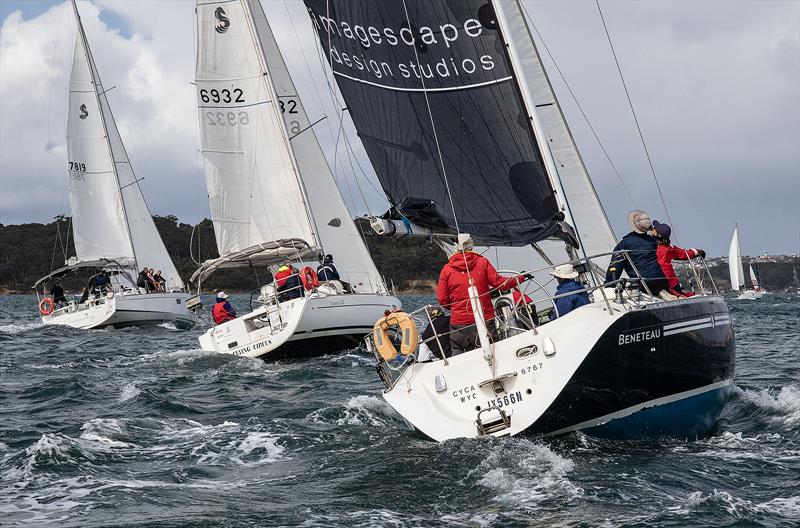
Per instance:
{"type": "Point", "coordinates": [738, 282]}
{"type": "Point", "coordinates": [273, 197]}
{"type": "Point", "coordinates": [462, 126]}
{"type": "Point", "coordinates": [112, 226]}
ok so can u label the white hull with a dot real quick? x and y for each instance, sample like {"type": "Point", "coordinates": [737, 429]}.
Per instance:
{"type": "Point", "coordinates": [125, 310]}
{"type": "Point", "coordinates": [314, 324]}
{"type": "Point", "coordinates": [750, 295]}
{"type": "Point", "coordinates": [533, 373]}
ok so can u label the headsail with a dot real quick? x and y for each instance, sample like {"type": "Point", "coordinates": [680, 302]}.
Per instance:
{"type": "Point", "coordinates": [753, 278]}
{"type": "Point", "coordinates": [438, 97]}
{"type": "Point", "coordinates": [110, 217]}
{"type": "Point", "coordinates": [258, 205]}
{"type": "Point", "coordinates": [583, 207]}
{"type": "Point", "coordinates": [336, 231]}
{"type": "Point", "coordinates": [735, 262]}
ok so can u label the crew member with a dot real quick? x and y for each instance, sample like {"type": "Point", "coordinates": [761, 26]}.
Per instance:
{"type": "Point", "coordinates": [327, 271]}
{"type": "Point", "coordinates": [141, 280]}
{"type": "Point", "coordinates": [463, 267]}
{"type": "Point", "coordinates": [101, 283]}
{"type": "Point", "coordinates": [161, 282]}
{"type": "Point", "coordinates": [222, 310]}
{"type": "Point", "coordinates": [57, 293]}
{"type": "Point", "coordinates": [641, 250]}
{"type": "Point", "coordinates": [566, 275]}
{"type": "Point", "coordinates": [288, 283]}
{"type": "Point", "coordinates": [666, 253]}
{"type": "Point", "coordinates": [436, 336]}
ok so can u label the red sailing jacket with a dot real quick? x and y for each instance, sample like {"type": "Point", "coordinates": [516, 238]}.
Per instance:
{"type": "Point", "coordinates": [666, 254]}
{"type": "Point", "coordinates": [452, 291]}
{"type": "Point", "coordinates": [220, 312]}
{"type": "Point", "coordinates": [281, 276]}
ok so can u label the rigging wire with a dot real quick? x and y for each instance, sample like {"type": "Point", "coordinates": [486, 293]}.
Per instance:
{"type": "Point", "coordinates": [580, 108]}
{"type": "Point", "coordinates": [635, 119]}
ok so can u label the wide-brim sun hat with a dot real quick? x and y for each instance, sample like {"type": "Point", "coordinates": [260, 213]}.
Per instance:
{"type": "Point", "coordinates": [222, 295]}
{"type": "Point", "coordinates": [639, 221]}
{"type": "Point", "coordinates": [564, 271]}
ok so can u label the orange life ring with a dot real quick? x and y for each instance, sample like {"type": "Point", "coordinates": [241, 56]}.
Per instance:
{"type": "Point", "coordinates": [309, 278]}
{"type": "Point", "coordinates": [47, 306]}
{"type": "Point", "coordinates": [409, 335]}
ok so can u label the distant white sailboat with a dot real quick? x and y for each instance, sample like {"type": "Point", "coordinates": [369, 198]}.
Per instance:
{"type": "Point", "coordinates": [111, 223]}
{"type": "Point", "coordinates": [273, 197]}
{"type": "Point", "coordinates": [736, 270]}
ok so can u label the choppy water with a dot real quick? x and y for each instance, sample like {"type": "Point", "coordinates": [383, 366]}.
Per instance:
{"type": "Point", "coordinates": [140, 428]}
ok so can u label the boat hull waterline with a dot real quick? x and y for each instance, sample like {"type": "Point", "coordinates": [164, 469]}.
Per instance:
{"type": "Point", "coordinates": [313, 325]}
{"type": "Point", "coordinates": [120, 311]}
{"type": "Point", "coordinates": [617, 375]}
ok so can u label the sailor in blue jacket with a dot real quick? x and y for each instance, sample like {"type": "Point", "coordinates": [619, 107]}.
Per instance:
{"type": "Point", "coordinates": [566, 275]}
{"type": "Point", "coordinates": [641, 247]}
{"type": "Point", "coordinates": [327, 271]}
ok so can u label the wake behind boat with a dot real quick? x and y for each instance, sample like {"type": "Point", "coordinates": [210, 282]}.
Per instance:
{"type": "Point", "coordinates": [460, 121]}
{"type": "Point", "coordinates": [114, 232]}
{"type": "Point", "coordinates": [273, 198]}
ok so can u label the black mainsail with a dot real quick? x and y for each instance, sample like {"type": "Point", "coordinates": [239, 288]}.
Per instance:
{"type": "Point", "coordinates": [431, 90]}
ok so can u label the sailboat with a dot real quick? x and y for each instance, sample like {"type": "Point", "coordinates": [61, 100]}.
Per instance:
{"type": "Point", "coordinates": [457, 115]}
{"type": "Point", "coordinates": [738, 283]}
{"type": "Point", "coordinates": [273, 197]}
{"type": "Point", "coordinates": [112, 226]}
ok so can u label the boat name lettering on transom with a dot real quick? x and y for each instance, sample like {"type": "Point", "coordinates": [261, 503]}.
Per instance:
{"type": "Point", "coordinates": [647, 335]}
{"type": "Point", "coordinates": [249, 348]}
{"type": "Point", "coordinates": [465, 394]}
{"type": "Point", "coordinates": [505, 400]}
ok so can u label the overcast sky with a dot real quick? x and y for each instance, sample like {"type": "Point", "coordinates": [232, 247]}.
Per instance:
{"type": "Point", "coordinates": [716, 86]}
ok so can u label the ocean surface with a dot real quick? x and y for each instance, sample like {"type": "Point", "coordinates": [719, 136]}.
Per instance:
{"type": "Point", "coordinates": [138, 427]}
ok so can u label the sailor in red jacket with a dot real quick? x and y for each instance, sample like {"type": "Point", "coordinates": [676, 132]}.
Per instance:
{"type": "Point", "coordinates": [222, 311]}
{"type": "Point", "coordinates": [452, 292]}
{"type": "Point", "coordinates": [666, 253]}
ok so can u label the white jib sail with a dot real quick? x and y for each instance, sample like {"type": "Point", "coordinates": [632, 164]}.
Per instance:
{"type": "Point", "coordinates": [255, 194]}
{"type": "Point", "coordinates": [753, 278]}
{"type": "Point", "coordinates": [576, 190]}
{"type": "Point", "coordinates": [110, 218]}
{"type": "Point", "coordinates": [337, 232]}
{"type": "Point", "coordinates": [735, 262]}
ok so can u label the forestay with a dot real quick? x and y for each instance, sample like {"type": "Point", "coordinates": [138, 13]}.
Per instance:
{"type": "Point", "coordinates": [257, 201]}
{"type": "Point", "coordinates": [110, 217]}
{"type": "Point", "coordinates": [336, 231]}
{"type": "Point", "coordinates": [440, 114]}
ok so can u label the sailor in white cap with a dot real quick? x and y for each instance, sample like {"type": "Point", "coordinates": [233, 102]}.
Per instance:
{"type": "Point", "coordinates": [566, 274]}
{"type": "Point", "coordinates": [222, 311]}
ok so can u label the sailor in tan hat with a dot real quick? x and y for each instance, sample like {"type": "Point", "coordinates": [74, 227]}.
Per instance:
{"type": "Point", "coordinates": [566, 275]}
{"type": "Point", "coordinates": [641, 250]}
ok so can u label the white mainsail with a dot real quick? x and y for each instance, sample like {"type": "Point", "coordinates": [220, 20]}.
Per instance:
{"type": "Point", "coordinates": [258, 204]}
{"type": "Point", "coordinates": [574, 188]}
{"type": "Point", "coordinates": [735, 262]}
{"type": "Point", "coordinates": [110, 218]}
{"type": "Point", "coordinates": [336, 230]}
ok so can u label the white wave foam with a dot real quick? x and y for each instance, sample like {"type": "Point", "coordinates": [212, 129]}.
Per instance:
{"type": "Point", "coordinates": [359, 410]}
{"type": "Point", "coordinates": [129, 391]}
{"type": "Point", "coordinates": [98, 431]}
{"type": "Point", "coordinates": [786, 403]}
{"type": "Point", "coordinates": [18, 328]}
{"type": "Point", "coordinates": [528, 474]}
{"type": "Point", "coordinates": [168, 326]}
{"type": "Point", "coordinates": [261, 441]}
{"type": "Point", "coordinates": [787, 507]}
{"type": "Point", "coordinates": [742, 508]}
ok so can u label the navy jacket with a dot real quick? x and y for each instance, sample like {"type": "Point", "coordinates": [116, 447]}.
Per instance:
{"type": "Point", "coordinates": [327, 272]}
{"type": "Point", "coordinates": [643, 254]}
{"type": "Point", "coordinates": [564, 305]}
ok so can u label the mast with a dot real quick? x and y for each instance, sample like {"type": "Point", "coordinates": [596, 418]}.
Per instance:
{"type": "Point", "coordinates": [94, 78]}
{"type": "Point", "coordinates": [274, 95]}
